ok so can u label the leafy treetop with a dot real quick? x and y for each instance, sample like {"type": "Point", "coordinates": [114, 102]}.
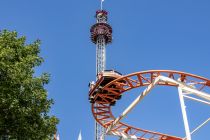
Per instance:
{"type": "Point", "coordinates": [24, 105]}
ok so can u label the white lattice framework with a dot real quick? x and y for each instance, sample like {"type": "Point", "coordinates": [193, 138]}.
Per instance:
{"type": "Point", "coordinates": [100, 67]}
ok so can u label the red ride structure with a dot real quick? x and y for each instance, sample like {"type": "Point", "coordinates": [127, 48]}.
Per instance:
{"type": "Point", "coordinates": [110, 86]}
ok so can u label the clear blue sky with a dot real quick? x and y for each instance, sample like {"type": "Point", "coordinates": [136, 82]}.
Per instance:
{"type": "Point", "coordinates": [148, 34]}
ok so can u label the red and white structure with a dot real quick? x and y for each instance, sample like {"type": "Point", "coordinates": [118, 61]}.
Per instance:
{"type": "Point", "coordinates": [110, 85]}
{"type": "Point", "coordinates": [101, 35]}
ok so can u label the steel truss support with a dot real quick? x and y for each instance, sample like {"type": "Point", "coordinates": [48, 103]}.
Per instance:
{"type": "Point", "coordinates": [184, 114]}
{"type": "Point", "coordinates": [181, 87]}
{"type": "Point", "coordinates": [100, 54]}
{"type": "Point", "coordinates": [133, 104]}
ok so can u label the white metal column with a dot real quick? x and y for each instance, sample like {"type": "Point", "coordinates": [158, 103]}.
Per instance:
{"type": "Point", "coordinates": [184, 114]}
{"type": "Point", "coordinates": [100, 54]}
{"type": "Point", "coordinates": [100, 67]}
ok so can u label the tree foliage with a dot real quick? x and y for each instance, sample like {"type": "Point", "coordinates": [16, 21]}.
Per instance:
{"type": "Point", "coordinates": [24, 105]}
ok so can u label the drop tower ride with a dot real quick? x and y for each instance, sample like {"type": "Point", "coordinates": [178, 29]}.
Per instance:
{"type": "Point", "coordinates": [101, 35]}
{"type": "Point", "coordinates": [110, 86]}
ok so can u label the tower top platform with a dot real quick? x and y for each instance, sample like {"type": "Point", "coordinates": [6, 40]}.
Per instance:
{"type": "Point", "coordinates": [101, 29]}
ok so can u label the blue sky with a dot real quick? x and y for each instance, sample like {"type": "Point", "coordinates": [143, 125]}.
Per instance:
{"type": "Point", "coordinates": [148, 34]}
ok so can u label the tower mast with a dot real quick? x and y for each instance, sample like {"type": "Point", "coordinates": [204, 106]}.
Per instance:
{"type": "Point", "coordinates": [101, 35]}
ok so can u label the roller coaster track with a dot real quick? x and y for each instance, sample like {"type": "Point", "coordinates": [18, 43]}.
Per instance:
{"type": "Point", "coordinates": [102, 112]}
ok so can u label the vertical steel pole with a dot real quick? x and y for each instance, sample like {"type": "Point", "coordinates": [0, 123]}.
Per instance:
{"type": "Point", "coordinates": [101, 34]}
{"type": "Point", "coordinates": [100, 67]}
{"type": "Point", "coordinates": [184, 114]}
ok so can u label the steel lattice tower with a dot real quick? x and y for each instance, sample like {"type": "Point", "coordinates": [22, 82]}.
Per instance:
{"type": "Point", "coordinates": [101, 35]}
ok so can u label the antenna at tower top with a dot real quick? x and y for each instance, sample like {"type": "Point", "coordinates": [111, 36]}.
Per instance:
{"type": "Point", "coordinates": [102, 4]}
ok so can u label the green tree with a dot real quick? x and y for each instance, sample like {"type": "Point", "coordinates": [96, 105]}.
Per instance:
{"type": "Point", "coordinates": [24, 105]}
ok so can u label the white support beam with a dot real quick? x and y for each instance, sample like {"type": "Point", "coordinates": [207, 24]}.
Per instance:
{"type": "Point", "coordinates": [184, 114]}
{"type": "Point", "coordinates": [197, 93]}
{"type": "Point", "coordinates": [186, 87]}
{"type": "Point", "coordinates": [133, 104]}
{"type": "Point", "coordinates": [197, 128]}
{"type": "Point", "coordinates": [198, 100]}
